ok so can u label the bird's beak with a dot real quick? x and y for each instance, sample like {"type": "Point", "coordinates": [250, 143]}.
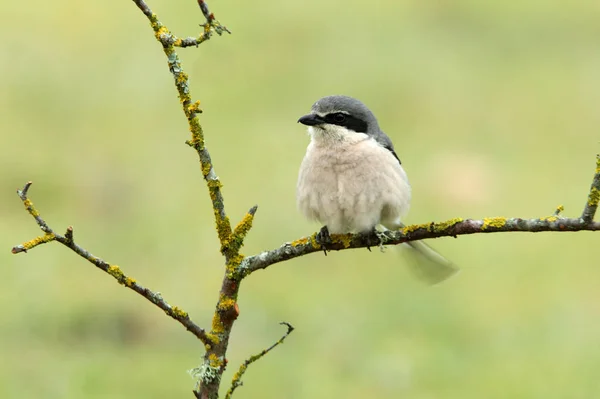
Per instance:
{"type": "Point", "coordinates": [311, 120]}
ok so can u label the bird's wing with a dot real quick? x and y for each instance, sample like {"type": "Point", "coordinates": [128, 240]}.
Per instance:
{"type": "Point", "coordinates": [386, 143]}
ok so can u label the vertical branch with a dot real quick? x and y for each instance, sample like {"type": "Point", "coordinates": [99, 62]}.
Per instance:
{"type": "Point", "coordinates": [594, 195]}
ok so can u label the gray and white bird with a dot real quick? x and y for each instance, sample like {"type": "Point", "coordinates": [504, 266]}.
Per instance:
{"type": "Point", "coordinates": [351, 179]}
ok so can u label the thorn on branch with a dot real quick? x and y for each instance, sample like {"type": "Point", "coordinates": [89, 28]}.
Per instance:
{"type": "Point", "coordinates": [237, 378]}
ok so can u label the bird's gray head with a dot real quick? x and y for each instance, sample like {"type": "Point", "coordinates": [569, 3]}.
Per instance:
{"type": "Point", "coordinates": [340, 116]}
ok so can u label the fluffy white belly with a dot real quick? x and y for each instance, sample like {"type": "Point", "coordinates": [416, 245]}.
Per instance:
{"type": "Point", "coordinates": [352, 186]}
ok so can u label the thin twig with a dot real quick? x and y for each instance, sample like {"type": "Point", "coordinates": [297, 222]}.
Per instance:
{"type": "Point", "coordinates": [237, 378]}
{"type": "Point", "coordinates": [67, 240]}
{"type": "Point", "coordinates": [169, 39]}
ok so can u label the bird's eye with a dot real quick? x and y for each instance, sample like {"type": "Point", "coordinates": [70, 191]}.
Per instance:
{"type": "Point", "coordinates": [339, 117]}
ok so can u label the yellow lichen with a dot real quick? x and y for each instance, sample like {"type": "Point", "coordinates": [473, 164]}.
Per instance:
{"type": "Point", "coordinates": [550, 219]}
{"type": "Point", "coordinates": [154, 22]}
{"type": "Point", "coordinates": [129, 281]}
{"type": "Point", "coordinates": [313, 241]}
{"type": "Point", "coordinates": [206, 167]}
{"type": "Point", "coordinates": [217, 325]}
{"type": "Point", "coordinates": [223, 228]}
{"type": "Point", "coordinates": [177, 311]}
{"type": "Point", "coordinates": [414, 227]}
{"type": "Point", "coordinates": [244, 225]}
{"type": "Point", "coordinates": [159, 31]}
{"type": "Point", "coordinates": [214, 360]}
{"type": "Point", "coordinates": [344, 239]}
{"type": "Point", "coordinates": [239, 373]}
{"type": "Point", "coordinates": [193, 108]}
{"type": "Point", "coordinates": [233, 264]}
{"type": "Point", "coordinates": [214, 339]}
{"type": "Point", "coordinates": [594, 197]}
{"type": "Point", "coordinates": [559, 209]}
{"type": "Point", "coordinates": [225, 303]}
{"type": "Point", "coordinates": [39, 240]}
{"type": "Point", "coordinates": [116, 272]}
{"type": "Point", "coordinates": [443, 226]}
{"type": "Point", "coordinates": [29, 206]}
{"type": "Point", "coordinates": [497, 222]}
{"type": "Point", "coordinates": [181, 78]}
{"type": "Point", "coordinates": [301, 241]}
{"type": "Point", "coordinates": [177, 42]}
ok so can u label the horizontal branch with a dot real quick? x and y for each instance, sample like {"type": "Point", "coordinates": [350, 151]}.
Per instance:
{"type": "Point", "coordinates": [450, 228]}
{"type": "Point", "coordinates": [67, 240]}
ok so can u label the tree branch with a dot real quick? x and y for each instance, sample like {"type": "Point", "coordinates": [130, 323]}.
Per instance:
{"type": "Point", "coordinates": [594, 196]}
{"type": "Point", "coordinates": [67, 240]}
{"type": "Point", "coordinates": [168, 39]}
{"type": "Point", "coordinates": [450, 228]}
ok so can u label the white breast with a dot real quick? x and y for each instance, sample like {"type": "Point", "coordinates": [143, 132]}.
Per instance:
{"type": "Point", "coordinates": [352, 184]}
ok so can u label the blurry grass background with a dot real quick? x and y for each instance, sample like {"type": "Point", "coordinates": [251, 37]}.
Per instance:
{"type": "Point", "coordinates": [493, 107]}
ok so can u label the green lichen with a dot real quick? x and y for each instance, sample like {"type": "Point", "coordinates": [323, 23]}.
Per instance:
{"type": "Point", "coordinates": [497, 222]}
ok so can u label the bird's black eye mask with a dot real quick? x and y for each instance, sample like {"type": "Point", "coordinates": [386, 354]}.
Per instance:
{"type": "Point", "coordinates": [348, 121]}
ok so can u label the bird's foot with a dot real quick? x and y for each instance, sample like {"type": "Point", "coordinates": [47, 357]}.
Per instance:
{"type": "Point", "coordinates": [324, 239]}
{"type": "Point", "coordinates": [374, 238]}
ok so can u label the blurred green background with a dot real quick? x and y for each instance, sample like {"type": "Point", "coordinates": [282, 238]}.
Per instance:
{"type": "Point", "coordinates": [493, 108]}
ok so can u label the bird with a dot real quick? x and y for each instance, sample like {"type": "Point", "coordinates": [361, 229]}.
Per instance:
{"type": "Point", "coordinates": [351, 179]}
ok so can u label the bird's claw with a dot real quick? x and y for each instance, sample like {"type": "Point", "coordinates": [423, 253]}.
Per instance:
{"type": "Point", "coordinates": [324, 239]}
{"type": "Point", "coordinates": [374, 238]}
